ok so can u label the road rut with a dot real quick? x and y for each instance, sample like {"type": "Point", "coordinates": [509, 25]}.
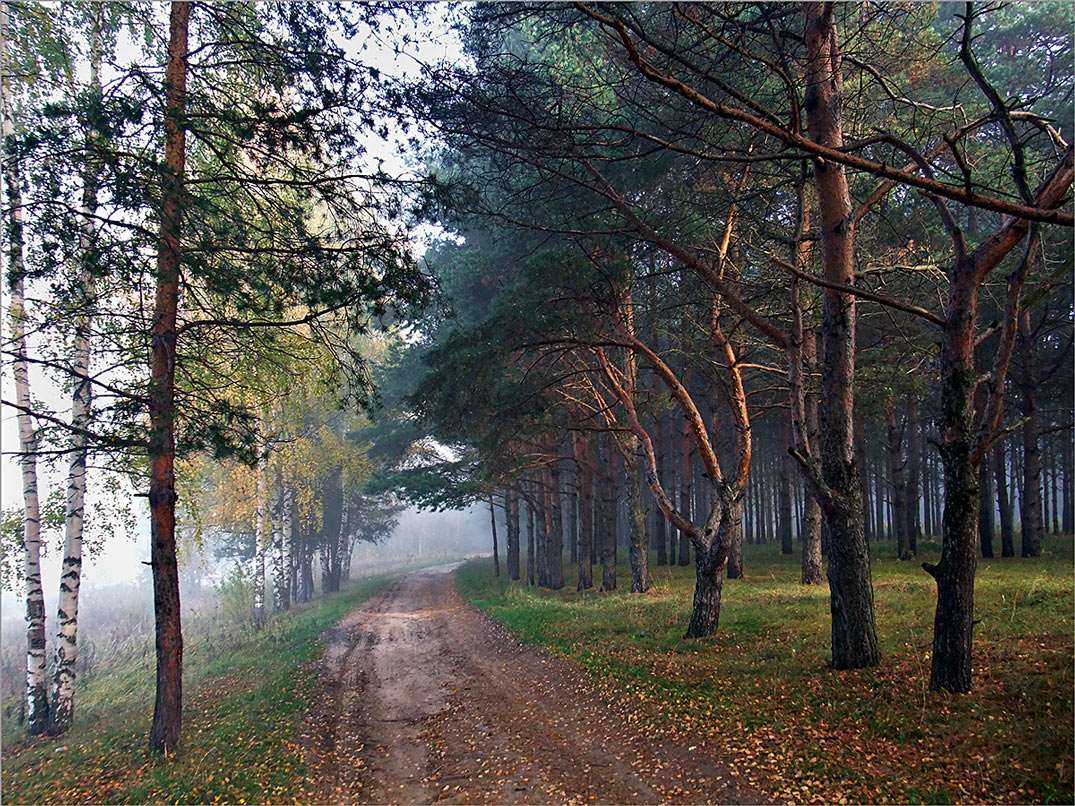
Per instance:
{"type": "Point", "coordinates": [425, 699]}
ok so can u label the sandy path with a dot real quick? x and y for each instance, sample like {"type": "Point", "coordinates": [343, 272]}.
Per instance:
{"type": "Point", "coordinates": [426, 700]}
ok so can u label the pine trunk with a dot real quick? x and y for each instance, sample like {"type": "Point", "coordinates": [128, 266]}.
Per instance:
{"type": "Point", "coordinates": [168, 706]}
{"type": "Point", "coordinates": [1068, 525]}
{"type": "Point", "coordinates": [608, 510]}
{"type": "Point", "coordinates": [496, 548]}
{"type": "Point", "coordinates": [895, 477]}
{"type": "Point", "coordinates": [554, 558]}
{"type": "Point", "coordinates": [661, 530]}
{"type": "Point", "coordinates": [685, 491]}
{"type": "Point", "coordinates": [812, 570]}
{"type": "Point", "coordinates": [854, 634]}
{"type": "Point", "coordinates": [639, 552]}
{"type": "Point", "coordinates": [986, 524]}
{"type": "Point", "coordinates": [1030, 499]}
{"type": "Point", "coordinates": [1004, 506]}
{"type": "Point", "coordinates": [542, 535]}
{"type": "Point", "coordinates": [709, 570]}
{"type": "Point", "coordinates": [586, 513]}
{"type": "Point", "coordinates": [531, 559]}
{"type": "Point", "coordinates": [787, 545]}
{"type": "Point", "coordinates": [512, 498]}
{"type": "Point", "coordinates": [912, 492]}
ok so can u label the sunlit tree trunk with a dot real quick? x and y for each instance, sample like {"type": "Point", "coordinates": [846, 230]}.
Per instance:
{"type": "Point", "coordinates": [854, 634]}
{"type": "Point", "coordinates": [36, 680]}
{"type": "Point", "coordinates": [168, 707]}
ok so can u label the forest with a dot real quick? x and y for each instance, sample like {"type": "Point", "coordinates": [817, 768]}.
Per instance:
{"type": "Point", "coordinates": [735, 338]}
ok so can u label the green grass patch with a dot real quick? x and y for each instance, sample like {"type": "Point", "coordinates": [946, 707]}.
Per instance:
{"type": "Point", "coordinates": [245, 693]}
{"type": "Point", "coordinates": [762, 687]}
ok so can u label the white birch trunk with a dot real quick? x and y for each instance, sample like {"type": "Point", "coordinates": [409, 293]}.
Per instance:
{"type": "Point", "coordinates": [36, 680]}
{"type": "Point", "coordinates": [279, 572]}
{"type": "Point", "coordinates": [261, 540]}
{"type": "Point", "coordinates": [343, 552]}
{"type": "Point", "coordinates": [63, 681]}
{"type": "Point", "coordinates": [287, 534]}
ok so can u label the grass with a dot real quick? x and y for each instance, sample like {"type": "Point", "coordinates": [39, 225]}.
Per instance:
{"type": "Point", "coordinates": [763, 693]}
{"type": "Point", "coordinates": [245, 693]}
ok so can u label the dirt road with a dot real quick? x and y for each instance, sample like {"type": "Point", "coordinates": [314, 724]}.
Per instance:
{"type": "Point", "coordinates": [426, 700]}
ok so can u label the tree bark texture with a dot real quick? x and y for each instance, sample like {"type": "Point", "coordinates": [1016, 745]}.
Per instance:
{"type": "Point", "coordinates": [168, 706]}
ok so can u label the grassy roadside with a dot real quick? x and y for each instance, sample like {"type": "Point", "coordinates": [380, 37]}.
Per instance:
{"type": "Point", "coordinates": [244, 694]}
{"type": "Point", "coordinates": [762, 692]}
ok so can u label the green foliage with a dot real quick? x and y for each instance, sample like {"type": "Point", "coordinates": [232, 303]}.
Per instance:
{"type": "Point", "coordinates": [235, 592]}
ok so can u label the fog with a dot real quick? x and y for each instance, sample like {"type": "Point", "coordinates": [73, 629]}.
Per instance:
{"type": "Point", "coordinates": [116, 599]}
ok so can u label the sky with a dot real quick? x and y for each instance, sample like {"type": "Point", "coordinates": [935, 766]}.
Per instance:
{"type": "Point", "coordinates": [120, 560]}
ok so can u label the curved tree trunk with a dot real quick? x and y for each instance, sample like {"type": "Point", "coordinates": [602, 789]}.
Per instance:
{"type": "Point", "coordinates": [709, 569]}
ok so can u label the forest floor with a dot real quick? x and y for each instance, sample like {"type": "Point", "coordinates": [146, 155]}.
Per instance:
{"type": "Point", "coordinates": [426, 699]}
{"type": "Point", "coordinates": [785, 722]}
